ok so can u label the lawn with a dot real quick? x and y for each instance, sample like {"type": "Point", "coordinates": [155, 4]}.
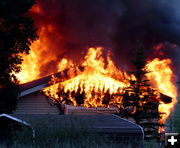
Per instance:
{"type": "Point", "coordinates": [66, 135]}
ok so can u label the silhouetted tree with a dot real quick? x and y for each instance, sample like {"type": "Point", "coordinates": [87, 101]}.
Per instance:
{"type": "Point", "coordinates": [139, 100]}
{"type": "Point", "coordinates": [17, 31]}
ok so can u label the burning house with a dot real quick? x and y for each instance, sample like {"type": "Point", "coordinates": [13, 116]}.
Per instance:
{"type": "Point", "coordinates": [33, 103]}
{"type": "Point", "coordinates": [101, 37]}
{"type": "Point", "coordinates": [93, 85]}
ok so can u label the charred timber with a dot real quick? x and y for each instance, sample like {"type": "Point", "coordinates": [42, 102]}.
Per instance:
{"type": "Point", "coordinates": [166, 99]}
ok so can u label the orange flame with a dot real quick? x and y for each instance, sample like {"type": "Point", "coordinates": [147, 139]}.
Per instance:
{"type": "Point", "coordinates": [41, 52]}
{"type": "Point", "coordinates": [95, 78]}
{"type": "Point", "coordinates": [30, 69]}
{"type": "Point", "coordinates": [102, 78]}
{"type": "Point", "coordinates": [161, 77]}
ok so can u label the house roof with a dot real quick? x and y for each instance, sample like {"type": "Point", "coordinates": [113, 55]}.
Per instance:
{"type": "Point", "coordinates": [41, 83]}
{"type": "Point", "coordinates": [37, 82]}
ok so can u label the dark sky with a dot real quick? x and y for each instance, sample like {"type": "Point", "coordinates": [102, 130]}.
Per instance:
{"type": "Point", "coordinates": [117, 25]}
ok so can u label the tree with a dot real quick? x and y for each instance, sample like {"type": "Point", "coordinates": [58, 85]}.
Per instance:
{"type": "Point", "coordinates": [17, 32]}
{"type": "Point", "coordinates": [140, 100]}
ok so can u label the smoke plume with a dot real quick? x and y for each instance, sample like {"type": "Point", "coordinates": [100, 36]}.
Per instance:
{"type": "Point", "coordinates": [69, 27]}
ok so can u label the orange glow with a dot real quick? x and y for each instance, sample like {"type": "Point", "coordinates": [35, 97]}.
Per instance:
{"type": "Point", "coordinates": [36, 9]}
{"type": "Point", "coordinates": [41, 51]}
{"type": "Point", "coordinates": [98, 78]}
{"type": "Point", "coordinates": [40, 55]}
{"type": "Point", "coordinates": [95, 78]}
{"type": "Point", "coordinates": [30, 69]}
{"type": "Point", "coordinates": [161, 77]}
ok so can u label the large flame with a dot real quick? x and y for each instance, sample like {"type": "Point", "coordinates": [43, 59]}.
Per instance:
{"type": "Point", "coordinates": [40, 54]}
{"type": "Point", "coordinates": [41, 51]}
{"type": "Point", "coordinates": [95, 78]}
{"type": "Point", "coordinates": [161, 77]}
{"type": "Point", "coordinates": [29, 67]}
{"type": "Point", "coordinates": [99, 78]}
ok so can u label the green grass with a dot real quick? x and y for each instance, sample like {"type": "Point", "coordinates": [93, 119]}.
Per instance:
{"type": "Point", "coordinates": [54, 134]}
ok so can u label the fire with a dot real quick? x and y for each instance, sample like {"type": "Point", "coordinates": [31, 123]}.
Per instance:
{"type": "Point", "coordinates": [41, 51]}
{"type": "Point", "coordinates": [161, 77]}
{"type": "Point", "coordinates": [30, 69]}
{"type": "Point", "coordinates": [40, 55]}
{"type": "Point", "coordinates": [95, 81]}
{"type": "Point", "coordinates": [99, 79]}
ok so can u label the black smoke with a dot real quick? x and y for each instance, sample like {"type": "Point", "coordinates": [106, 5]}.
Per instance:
{"type": "Point", "coordinates": [117, 25]}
